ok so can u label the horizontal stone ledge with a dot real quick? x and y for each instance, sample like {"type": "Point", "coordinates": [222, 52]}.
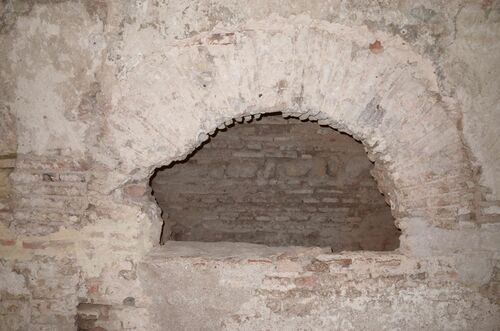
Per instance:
{"type": "Point", "coordinates": [228, 250]}
{"type": "Point", "coordinates": [241, 251]}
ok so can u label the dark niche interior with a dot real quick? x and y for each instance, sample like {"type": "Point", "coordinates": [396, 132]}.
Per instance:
{"type": "Point", "coordinates": [278, 182]}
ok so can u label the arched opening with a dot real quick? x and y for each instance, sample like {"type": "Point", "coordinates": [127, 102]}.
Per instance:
{"type": "Point", "coordinates": [388, 99]}
{"type": "Point", "coordinates": [278, 182]}
{"type": "Point", "coordinates": [172, 100]}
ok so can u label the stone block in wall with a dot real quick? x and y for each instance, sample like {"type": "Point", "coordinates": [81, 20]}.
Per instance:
{"type": "Point", "coordinates": [334, 165]}
{"type": "Point", "coordinates": [242, 169]}
{"type": "Point", "coordinates": [217, 172]}
{"type": "Point", "coordinates": [318, 168]}
{"type": "Point", "coordinates": [249, 154]}
{"type": "Point", "coordinates": [296, 168]}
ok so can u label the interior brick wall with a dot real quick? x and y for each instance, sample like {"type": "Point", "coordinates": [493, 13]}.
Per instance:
{"type": "Point", "coordinates": [278, 182]}
{"type": "Point", "coordinates": [95, 94]}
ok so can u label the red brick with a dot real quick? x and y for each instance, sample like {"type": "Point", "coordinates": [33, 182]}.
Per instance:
{"type": "Point", "coordinates": [33, 244]}
{"type": "Point", "coordinates": [344, 262]}
{"type": "Point", "coordinates": [93, 289]}
{"type": "Point", "coordinates": [7, 242]}
{"type": "Point", "coordinates": [307, 281]}
{"type": "Point", "coordinates": [376, 47]}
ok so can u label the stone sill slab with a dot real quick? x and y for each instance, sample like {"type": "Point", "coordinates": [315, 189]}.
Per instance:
{"type": "Point", "coordinates": [241, 251]}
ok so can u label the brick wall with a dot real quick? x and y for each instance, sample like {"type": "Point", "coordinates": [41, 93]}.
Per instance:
{"type": "Point", "coordinates": [261, 286]}
{"type": "Point", "coordinates": [51, 192]}
{"type": "Point", "coordinates": [279, 182]}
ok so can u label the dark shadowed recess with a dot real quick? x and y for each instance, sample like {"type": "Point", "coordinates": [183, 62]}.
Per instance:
{"type": "Point", "coordinates": [278, 182]}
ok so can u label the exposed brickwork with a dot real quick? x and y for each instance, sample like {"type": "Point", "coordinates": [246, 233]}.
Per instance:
{"type": "Point", "coordinates": [94, 95]}
{"type": "Point", "coordinates": [279, 182]}
{"type": "Point", "coordinates": [321, 292]}
{"type": "Point", "coordinates": [50, 192]}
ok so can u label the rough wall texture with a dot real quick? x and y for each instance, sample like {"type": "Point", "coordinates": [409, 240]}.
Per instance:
{"type": "Point", "coordinates": [100, 93]}
{"type": "Point", "coordinates": [277, 182]}
{"type": "Point", "coordinates": [306, 289]}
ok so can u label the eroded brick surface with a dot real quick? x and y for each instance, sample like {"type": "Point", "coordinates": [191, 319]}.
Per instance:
{"type": "Point", "coordinates": [97, 94]}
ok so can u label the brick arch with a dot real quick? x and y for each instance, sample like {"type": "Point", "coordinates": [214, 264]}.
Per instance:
{"type": "Point", "coordinates": [368, 84]}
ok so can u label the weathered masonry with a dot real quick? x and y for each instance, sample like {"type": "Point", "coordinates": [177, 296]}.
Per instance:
{"type": "Point", "coordinates": [276, 182]}
{"type": "Point", "coordinates": [287, 165]}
